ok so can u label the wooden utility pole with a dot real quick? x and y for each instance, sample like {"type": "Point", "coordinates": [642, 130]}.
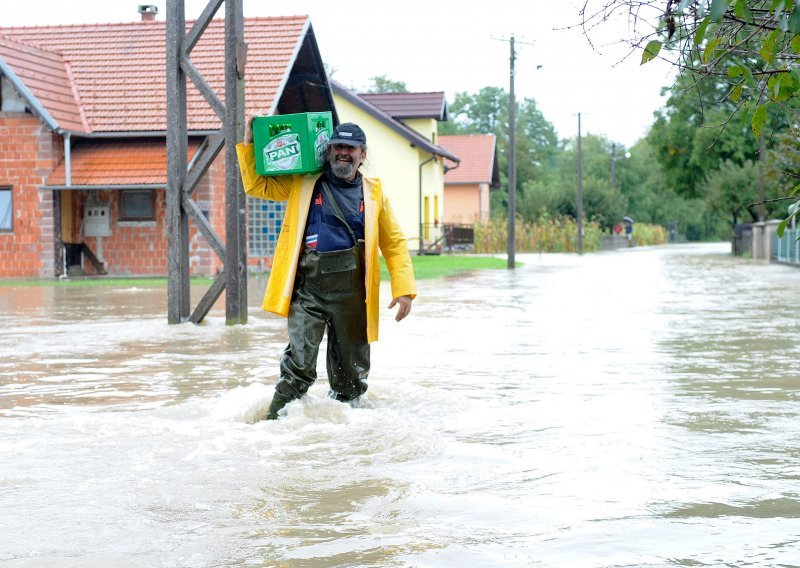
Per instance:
{"type": "Point", "coordinates": [512, 162]}
{"type": "Point", "coordinates": [580, 190]}
{"type": "Point", "coordinates": [181, 183]}
{"type": "Point", "coordinates": [613, 165]}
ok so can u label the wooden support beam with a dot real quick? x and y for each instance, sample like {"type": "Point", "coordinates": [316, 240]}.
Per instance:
{"type": "Point", "coordinates": [211, 296]}
{"type": "Point", "coordinates": [181, 184]}
{"type": "Point", "coordinates": [200, 26]}
{"type": "Point", "coordinates": [235, 203]}
{"type": "Point", "coordinates": [210, 151]}
{"type": "Point", "coordinates": [177, 153]}
{"type": "Point", "coordinates": [202, 85]}
{"type": "Point", "coordinates": [204, 227]}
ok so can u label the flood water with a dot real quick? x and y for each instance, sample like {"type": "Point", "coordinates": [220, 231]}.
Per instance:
{"type": "Point", "coordinates": [637, 408]}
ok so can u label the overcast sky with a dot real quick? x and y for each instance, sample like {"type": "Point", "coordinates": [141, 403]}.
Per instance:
{"type": "Point", "coordinates": [446, 45]}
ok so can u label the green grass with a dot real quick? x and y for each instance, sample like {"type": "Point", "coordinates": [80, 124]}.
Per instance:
{"type": "Point", "coordinates": [437, 266]}
{"type": "Point", "coordinates": [425, 267]}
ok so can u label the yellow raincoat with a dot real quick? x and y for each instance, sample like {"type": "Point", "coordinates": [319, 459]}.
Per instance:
{"type": "Point", "coordinates": [380, 230]}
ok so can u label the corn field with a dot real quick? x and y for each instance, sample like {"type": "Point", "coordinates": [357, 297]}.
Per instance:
{"type": "Point", "coordinates": [553, 235]}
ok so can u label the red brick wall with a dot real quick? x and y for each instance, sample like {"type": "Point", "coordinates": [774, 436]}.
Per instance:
{"type": "Point", "coordinates": [28, 152]}
{"type": "Point", "coordinates": [140, 248]}
{"type": "Point", "coordinates": [134, 248]}
{"type": "Point", "coordinates": [210, 196]}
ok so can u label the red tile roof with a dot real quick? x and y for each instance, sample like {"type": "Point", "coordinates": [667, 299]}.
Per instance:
{"type": "Point", "coordinates": [117, 162]}
{"type": "Point", "coordinates": [47, 76]}
{"type": "Point", "coordinates": [118, 70]}
{"type": "Point", "coordinates": [478, 160]}
{"type": "Point", "coordinates": [409, 105]}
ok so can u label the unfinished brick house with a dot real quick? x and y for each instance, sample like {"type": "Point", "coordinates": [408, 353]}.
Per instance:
{"type": "Point", "coordinates": [83, 141]}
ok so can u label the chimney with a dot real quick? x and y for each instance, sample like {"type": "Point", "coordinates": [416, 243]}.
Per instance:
{"type": "Point", "coordinates": [148, 12]}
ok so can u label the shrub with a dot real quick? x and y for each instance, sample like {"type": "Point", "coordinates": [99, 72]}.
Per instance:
{"type": "Point", "coordinates": [558, 234]}
{"type": "Point", "coordinates": [545, 235]}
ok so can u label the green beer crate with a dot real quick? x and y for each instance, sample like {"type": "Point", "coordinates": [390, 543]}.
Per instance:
{"type": "Point", "coordinates": [291, 143]}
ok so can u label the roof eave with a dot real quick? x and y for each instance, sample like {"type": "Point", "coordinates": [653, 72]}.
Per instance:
{"type": "Point", "coordinates": [136, 134]}
{"type": "Point", "coordinates": [298, 47]}
{"type": "Point", "coordinates": [393, 124]}
{"type": "Point", "coordinates": [118, 186]}
{"type": "Point", "coordinates": [309, 34]}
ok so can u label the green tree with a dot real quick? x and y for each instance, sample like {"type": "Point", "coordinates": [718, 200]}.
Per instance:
{"type": "Point", "coordinates": [652, 199]}
{"type": "Point", "coordinates": [486, 112]}
{"type": "Point", "coordinates": [555, 192]}
{"type": "Point", "coordinates": [748, 47]}
{"type": "Point", "coordinates": [731, 188]}
{"type": "Point", "coordinates": [752, 45]}
{"type": "Point", "coordinates": [382, 84]}
{"type": "Point", "coordinates": [694, 134]}
{"type": "Point", "coordinates": [643, 183]}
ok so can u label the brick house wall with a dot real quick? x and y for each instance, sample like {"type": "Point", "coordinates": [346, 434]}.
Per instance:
{"type": "Point", "coordinates": [134, 247]}
{"type": "Point", "coordinates": [140, 248]}
{"type": "Point", "coordinates": [28, 152]}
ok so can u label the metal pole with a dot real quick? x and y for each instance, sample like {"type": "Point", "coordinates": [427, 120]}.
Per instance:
{"type": "Point", "coordinates": [235, 203]}
{"type": "Point", "coordinates": [177, 153]}
{"type": "Point", "coordinates": [580, 190]}
{"type": "Point", "coordinates": [512, 162]}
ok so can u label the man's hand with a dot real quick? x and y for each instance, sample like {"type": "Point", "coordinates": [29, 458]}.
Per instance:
{"type": "Point", "coordinates": [248, 130]}
{"type": "Point", "coordinates": [405, 306]}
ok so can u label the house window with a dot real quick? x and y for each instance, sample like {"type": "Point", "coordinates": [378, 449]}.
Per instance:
{"type": "Point", "coordinates": [6, 209]}
{"type": "Point", "coordinates": [137, 205]}
{"type": "Point", "coordinates": [264, 219]}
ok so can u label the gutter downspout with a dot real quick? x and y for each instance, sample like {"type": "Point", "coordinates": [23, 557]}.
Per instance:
{"type": "Point", "coordinates": [68, 158]}
{"type": "Point", "coordinates": [432, 158]}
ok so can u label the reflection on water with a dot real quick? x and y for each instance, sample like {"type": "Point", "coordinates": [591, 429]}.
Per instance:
{"type": "Point", "coordinates": [637, 408]}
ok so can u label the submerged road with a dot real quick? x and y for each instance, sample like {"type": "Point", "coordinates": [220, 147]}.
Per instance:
{"type": "Point", "coordinates": [632, 408]}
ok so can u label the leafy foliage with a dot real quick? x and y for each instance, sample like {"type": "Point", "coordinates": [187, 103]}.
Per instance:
{"type": "Point", "coordinates": [554, 192]}
{"type": "Point", "coordinates": [745, 52]}
{"type": "Point", "coordinates": [547, 171]}
{"type": "Point", "coordinates": [783, 173]}
{"type": "Point", "coordinates": [732, 187]}
{"type": "Point", "coordinates": [382, 84]}
{"type": "Point", "coordinates": [690, 136]}
{"type": "Point", "coordinates": [752, 45]}
{"type": "Point", "coordinates": [486, 112]}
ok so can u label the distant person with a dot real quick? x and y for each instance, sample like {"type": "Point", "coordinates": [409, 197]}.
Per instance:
{"type": "Point", "coordinates": [326, 271]}
{"type": "Point", "coordinates": [629, 232]}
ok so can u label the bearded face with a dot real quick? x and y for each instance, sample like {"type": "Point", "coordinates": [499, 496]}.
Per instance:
{"type": "Point", "coordinates": [345, 160]}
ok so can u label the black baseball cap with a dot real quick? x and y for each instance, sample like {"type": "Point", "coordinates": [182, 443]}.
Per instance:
{"type": "Point", "coordinates": [348, 133]}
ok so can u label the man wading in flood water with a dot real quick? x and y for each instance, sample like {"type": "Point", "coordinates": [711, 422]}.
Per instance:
{"type": "Point", "coordinates": [326, 271]}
